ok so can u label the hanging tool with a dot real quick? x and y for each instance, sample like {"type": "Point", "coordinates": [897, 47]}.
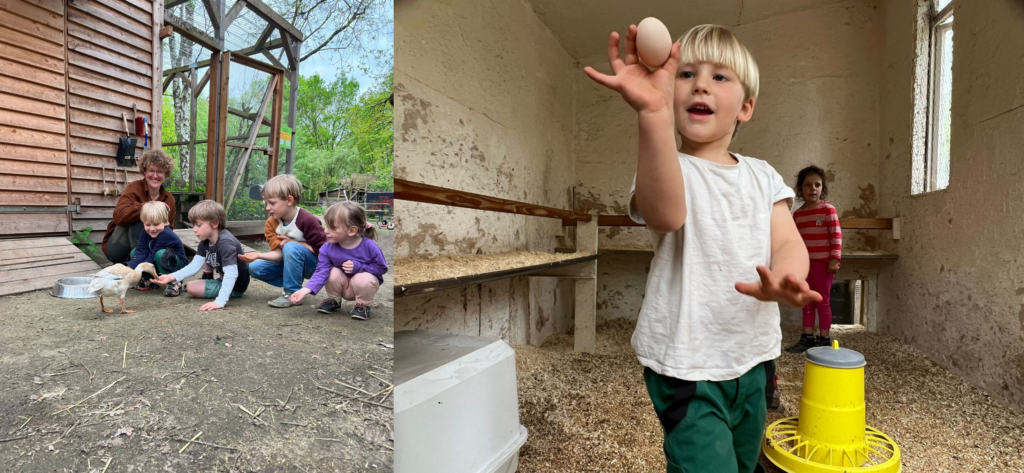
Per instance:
{"type": "Point", "coordinates": [126, 146]}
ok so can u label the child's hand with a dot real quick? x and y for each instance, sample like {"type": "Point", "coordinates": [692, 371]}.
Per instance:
{"type": "Point", "coordinates": [833, 266]}
{"type": "Point", "coordinates": [283, 239]}
{"type": "Point", "coordinates": [347, 267]}
{"type": "Point", "coordinates": [163, 280]}
{"type": "Point", "coordinates": [646, 91]}
{"type": "Point", "coordinates": [209, 306]}
{"type": "Point", "coordinates": [787, 290]}
{"type": "Point", "coordinates": [299, 295]}
{"type": "Point", "coordinates": [249, 257]}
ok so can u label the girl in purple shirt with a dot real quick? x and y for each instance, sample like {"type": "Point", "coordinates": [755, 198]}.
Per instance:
{"type": "Point", "coordinates": [351, 265]}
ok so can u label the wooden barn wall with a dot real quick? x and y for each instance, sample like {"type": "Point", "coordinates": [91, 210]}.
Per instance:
{"type": "Point", "coordinates": [68, 73]}
{"type": "Point", "coordinates": [33, 148]}
{"type": "Point", "coordinates": [110, 67]}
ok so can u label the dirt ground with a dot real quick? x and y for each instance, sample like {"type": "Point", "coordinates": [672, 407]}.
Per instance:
{"type": "Point", "coordinates": [592, 412]}
{"type": "Point", "coordinates": [273, 389]}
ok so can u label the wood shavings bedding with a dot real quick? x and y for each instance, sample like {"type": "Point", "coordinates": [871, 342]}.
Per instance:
{"type": "Point", "coordinates": [592, 413]}
{"type": "Point", "coordinates": [414, 270]}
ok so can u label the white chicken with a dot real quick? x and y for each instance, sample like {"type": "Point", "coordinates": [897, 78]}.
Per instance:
{"type": "Point", "coordinates": [115, 281]}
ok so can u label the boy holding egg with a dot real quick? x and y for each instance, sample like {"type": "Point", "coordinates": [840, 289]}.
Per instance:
{"type": "Point", "coordinates": [706, 339]}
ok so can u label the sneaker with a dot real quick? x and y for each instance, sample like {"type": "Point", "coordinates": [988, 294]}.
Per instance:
{"type": "Point", "coordinates": [282, 302]}
{"type": "Point", "coordinates": [328, 306]}
{"type": "Point", "coordinates": [776, 404]}
{"type": "Point", "coordinates": [806, 341]}
{"type": "Point", "coordinates": [143, 285]}
{"type": "Point", "coordinates": [361, 313]}
{"type": "Point", "coordinates": [820, 341]}
{"type": "Point", "coordinates": [173, 289]}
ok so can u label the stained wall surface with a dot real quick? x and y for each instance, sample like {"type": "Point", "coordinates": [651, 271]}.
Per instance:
{"type": "Point", "coordinates": [956, 292]}
{"type": "Point", "coordinates": [485, 105]}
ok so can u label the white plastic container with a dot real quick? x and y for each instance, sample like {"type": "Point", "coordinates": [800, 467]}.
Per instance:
{"type": "Point", "coordinates": [456, 404]}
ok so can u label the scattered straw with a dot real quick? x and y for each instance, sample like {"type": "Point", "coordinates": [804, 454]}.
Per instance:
{"type": "Point", "coordinates": [414, 270]}
{"type": "Point", "coordinates": [592, 412]}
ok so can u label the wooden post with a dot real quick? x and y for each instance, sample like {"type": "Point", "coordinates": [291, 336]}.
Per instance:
{"type": "Point", "coordinates": [275, 128]}
{"type": "Point", "coordinates": [222, 128]}
{"type": "Point", "coordinates": [192, 133]}
{"type": "Point", "coordinates": [156, 116]}
{"type": "Point", "coordinates": [585, 307]}
{"type": "Point", "coordinates": [211, 126]}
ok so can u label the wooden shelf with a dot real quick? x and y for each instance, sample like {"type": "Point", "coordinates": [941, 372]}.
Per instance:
{"type": "Point", "coordinates": [472, 280]}
{"type": "Point", "coordinates": [650, 252]}
{"type": "Point", "coordinates": [846, 223]}
{"type": "Point", "coordinates": [425, 193]}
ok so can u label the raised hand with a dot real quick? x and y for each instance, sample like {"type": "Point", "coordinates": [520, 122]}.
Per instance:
{"type": "Point", "coordinates": [643, 89]}
{"type": "Point", "coordinates": [785, 289]}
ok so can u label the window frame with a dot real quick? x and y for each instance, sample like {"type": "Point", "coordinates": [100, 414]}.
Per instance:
{"type": "Point", "coordinates": [936, 28]}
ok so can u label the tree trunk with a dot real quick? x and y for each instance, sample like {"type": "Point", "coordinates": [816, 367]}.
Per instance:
{"type": "Point", "coordinates": [181, 54]}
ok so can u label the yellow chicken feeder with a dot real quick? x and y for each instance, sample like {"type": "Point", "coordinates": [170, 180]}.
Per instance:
{"type": "Point", "coordinates": [831, 435]}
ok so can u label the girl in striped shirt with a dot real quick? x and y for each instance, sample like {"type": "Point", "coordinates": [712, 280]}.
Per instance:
{"type": "Point", "coordinates": [818, 224]}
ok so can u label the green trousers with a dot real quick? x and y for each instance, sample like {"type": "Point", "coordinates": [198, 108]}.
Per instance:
{"type": "Point", "coordinates": [711, 426]}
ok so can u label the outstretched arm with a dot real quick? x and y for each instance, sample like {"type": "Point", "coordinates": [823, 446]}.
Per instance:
{"type": "Point", "coordinates": [786, 281]}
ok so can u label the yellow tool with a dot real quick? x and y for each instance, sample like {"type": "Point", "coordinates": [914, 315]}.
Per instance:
{"type": "Point", "coordinates": [831, 435]}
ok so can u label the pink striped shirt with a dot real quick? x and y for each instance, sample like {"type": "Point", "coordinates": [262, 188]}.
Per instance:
{"type": "Point", "coordinates": [819, 227]}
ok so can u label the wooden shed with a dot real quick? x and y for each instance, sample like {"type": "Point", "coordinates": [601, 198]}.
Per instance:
{"type": "Point", "coordinates": [70, 70]}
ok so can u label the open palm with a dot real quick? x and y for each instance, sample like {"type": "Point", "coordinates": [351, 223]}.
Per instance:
{"type": "Point", "coordinates": [643, 89]}
{"type": "Point", "coordinates": [786, 289]}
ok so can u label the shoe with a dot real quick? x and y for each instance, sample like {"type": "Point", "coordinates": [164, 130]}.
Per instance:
{"type": "Point", "coordinates": [282, 302]}
{"type": "Point", "coordinates": [173, 289]}
{"type": "Point", "coordinates": [361, 313]}
{"type": "Point", "coordinates": [328, 306]}
{"type": "Point", "coordinates": [806, 341]}
{"type": "Point", "coordinates": [143, 285]}
{"type": "Point", "coordinates": [820, 341]}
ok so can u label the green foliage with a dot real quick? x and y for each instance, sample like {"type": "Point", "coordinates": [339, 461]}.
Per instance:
{"type": "Point", "coordinates": [81, 239]}
{"type": "Point", "coordinates": [246, 209]}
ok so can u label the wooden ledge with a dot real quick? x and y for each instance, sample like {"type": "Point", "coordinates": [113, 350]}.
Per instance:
{"type": "Point", "coordinates": [425, 193]}
{"type": "Point", "coordinates": [425, 287]}
{"type": "Point", "coordinates": [846, 223]}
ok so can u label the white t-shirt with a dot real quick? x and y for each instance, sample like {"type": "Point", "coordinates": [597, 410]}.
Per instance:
{"type": "Point", "coordinates": [694, 325]}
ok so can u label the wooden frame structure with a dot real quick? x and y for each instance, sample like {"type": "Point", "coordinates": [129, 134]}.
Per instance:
{"type": "Point", "coordinates": [221, 17]}
{"type": "Point", "coordinates": [582, 269]}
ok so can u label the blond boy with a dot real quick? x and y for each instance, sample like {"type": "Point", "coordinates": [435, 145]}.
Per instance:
{"type": "Point", "coordinates": [294, 236]}
{"type": "Point", "coordinates": [706, 340]}
{"type": "Point", "coordinates": [158, 245]}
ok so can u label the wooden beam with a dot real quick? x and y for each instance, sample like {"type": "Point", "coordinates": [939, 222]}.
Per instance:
{"type": "Point", "coordinates": [213, 12]}
{"type": "Point", "coordinates": [270, 16]}
{"type": "Point", "coordinates": [264, 36]}
{"type": "Point", "coordinates": [255, 64]}
{"type": "Point", "coordinates": [211, 126]}
{"type": "Point", "coordinates": [289, 51]}
{"type": "Point", "coordinates": [156, 114]}
{"type": "Point", "coordinates": [222, 133]}
{"type": "Point", "coordinates": [245, 52]}
{"type": "Point", "coordinates": [417, 192]}
{"type": "Point", "coordinates": [191, 32]}
{"type": "Point", "coordinates": [198, 88]}
{"type": "Point", "coordinates": [273, 60]}
{"type": "Point", "coordinates": [193, 130]}
{"type": "Point", "coordinates": [233, 13]}
{"type": "Point", "coordinates": [243, 145]}
{"type": "Point", "coordinates": [248, 116]}
{"type": "Point", "coordinates": [165, 31]}
{"type": "Point", "coordinates": [427, 287]}
{"type": "Point", "coordinates": [174, 3]}
{"type": "Point", "coordinates": [849, 222]}
{"type": "Point", "coordinates": [275, 129]}
{"type": "Point", "coordinates": [253, 131]}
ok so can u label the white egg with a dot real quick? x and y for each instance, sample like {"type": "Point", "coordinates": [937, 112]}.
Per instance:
{"type": "Point", "coordinates": [653, 42]}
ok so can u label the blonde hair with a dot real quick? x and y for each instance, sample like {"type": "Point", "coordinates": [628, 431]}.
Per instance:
{"type": "Point", "coordinates": [153, 213]}
{"type": "Point", "coordinates": [717, 45]}
{"type": "Point", "coordinates": [347, 214]}
{"type": "Point", "coordinates": [208, 211]}
{"type": "Point", "coordinates": [159, 159]}
{"type": "Point", "coordinates": [281, 187]}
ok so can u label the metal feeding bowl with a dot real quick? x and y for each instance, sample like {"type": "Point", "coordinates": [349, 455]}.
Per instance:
{"type": "Point", "coordinates": [75, 288]}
